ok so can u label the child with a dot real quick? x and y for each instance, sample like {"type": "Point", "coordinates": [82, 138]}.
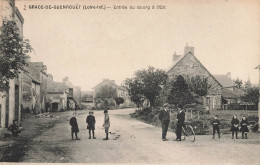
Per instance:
{"type": "Point", "coordinates": [91, 124]}
{"type": "Point", "coordinates": [106, 124]}
{"type": "Point", "coordinates": [74, 126]}
{"type": "Point", "coordinates": [215, 124]}
{"type": "Point", "coordinates": [244, 127]}
{"type": "Point", "coordinates": [234, 126]}
{"type": "Point", "coordinates": [14, 128]}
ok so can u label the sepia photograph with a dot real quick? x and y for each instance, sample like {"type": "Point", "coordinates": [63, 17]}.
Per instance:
{"type": "Point", "coordinates": [130, 82]}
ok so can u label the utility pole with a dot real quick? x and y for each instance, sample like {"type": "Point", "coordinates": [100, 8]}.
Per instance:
{"type": "Point", "coordinates": [258, 67]}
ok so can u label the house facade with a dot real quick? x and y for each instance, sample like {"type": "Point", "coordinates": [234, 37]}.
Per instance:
{"type": "Point", "coordinates": [120, 92]}
{"type": "Point", "coordinates": [63, 95]}
{"type": "Point", "coordinates": [10, 101]}
{"type": "Point", "coordinates": [189, 66]}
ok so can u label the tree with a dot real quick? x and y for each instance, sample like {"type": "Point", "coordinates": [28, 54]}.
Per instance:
{"type": "Point", "coordinates": [247, 84]}
{"type": "Point", "coordinates": [145, 84]}
{"type": "Point", "coordinates": [13, 53]}
{"type": "Point", "coordinates": [106, 92]}
{"type": "Point", "coordinates": [119, 100]}
{"type": "Point", "coordinates": [179, 93]}
{"type": "Point", "coordinates": [199, 85]}
{"type": "Point", "coordinates": [238, 83]}
{"type": "Point", "coordinates": [251, 95]}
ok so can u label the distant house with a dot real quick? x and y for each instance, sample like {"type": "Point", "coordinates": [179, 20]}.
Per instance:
{"type": "Point", "coordinates": [221, 86]}
{"type": "Point", "coordinates": [62, 95]}
{"type": "Point", "coordinates": [57, 95]}
{"type": "Point", "coordinates": [120, 92]}
{"type": "Point", "coordinates": [87, 96]}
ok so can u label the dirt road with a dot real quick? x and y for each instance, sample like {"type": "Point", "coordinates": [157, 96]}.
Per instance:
{"type": "Point", "coordinates": [133, 141]}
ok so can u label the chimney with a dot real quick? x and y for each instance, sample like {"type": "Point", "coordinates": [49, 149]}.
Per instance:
{"type": "Point", "coordinates": [229, 75]}
{"type": "Point", "coordinates": [175, 57]}
{"type": "Point", "coordinates": [188, 49]}
{"type": "Point", "coordinates": [66, 79]}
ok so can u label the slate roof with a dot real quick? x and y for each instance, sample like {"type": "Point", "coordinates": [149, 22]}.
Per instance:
{"type": "Point", "coordinates": [224, 80]}
{"type": "Point", "coordinates": [182, 57]}
{"type": "Point", "coordinates": [229, 94]}
{"type": "Point", "coordinates": [56, 87]}
{"type": "Point", "coordinates": [111, 83]}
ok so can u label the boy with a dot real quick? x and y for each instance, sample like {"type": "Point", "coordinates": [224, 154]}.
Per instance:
{"type": "Point", "coordinates": [14, 128]}
{"type": "Point", "coordinates": [215, 124]}
{"type": "Point", "coordinates": [91, 124]}
{"type": "Point", "coordinates": [74, 126]}
{"type": "Point", "coordinates": [106, 124]}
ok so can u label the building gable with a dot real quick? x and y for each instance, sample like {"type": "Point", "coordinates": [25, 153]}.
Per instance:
{"type": "Point", "coordinates": [189, 66]}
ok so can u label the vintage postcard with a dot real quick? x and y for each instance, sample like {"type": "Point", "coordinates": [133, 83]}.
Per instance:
{"type": "Point", "coordinates": [130, 81]}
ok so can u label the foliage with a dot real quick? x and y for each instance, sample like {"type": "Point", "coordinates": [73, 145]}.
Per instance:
{"type": "Point", "coordinates": [134, 88]}
{"type": "Point", "coordinates": [106, 92]}
{"type": "Point", "coordinates": [251, 95]}
{"type": "Point", "coordinates": [247, 84]}
{"type": "Point", "coordinates": [119, 100]}
{"type": "Point", "coordinates": [238, 83]}
{"type": "Point", "coordinates": [13, 53]}
{"type": "Point", "coordinates": [179, 93]}
{"type": "Point", "coordinates": [199, 85]}
{"type": "Point", "coordinates": [145, 85]}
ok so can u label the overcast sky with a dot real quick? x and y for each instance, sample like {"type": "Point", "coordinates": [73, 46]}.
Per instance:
{"type": "Point", "coordinates": [89, 45]}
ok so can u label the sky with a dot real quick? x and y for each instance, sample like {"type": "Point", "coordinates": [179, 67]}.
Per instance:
{"type": "Point", "coordinates": [90, 45]}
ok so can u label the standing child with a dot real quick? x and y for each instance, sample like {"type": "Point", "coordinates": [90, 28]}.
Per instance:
{"type": "Point", "coordinates": [74, 126]}
{"type": "Point", "coordinates": [215, 124]}
{"type": "Point", "coordinates": [234, 126]}
{"type": "Point", "coordinates": [91, 124]}
{"type": "Point", "coordinates": [106, 124]}
{"type": "Point", "coordinates": [244, 128]}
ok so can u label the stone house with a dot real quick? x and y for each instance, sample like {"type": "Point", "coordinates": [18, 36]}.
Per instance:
{"type": "Point", "coordinates": [10, 101]}
{"type": "Point", "coordinates": [221, 86]}
{"type": "Point", "coordinates": [120, 92]}
{"type": "Point", "coordinates": [34, 88]}
{"type": "Point", "coordinates": [42, 76]}
{"type": "Point", "coordinates": [62, 95]}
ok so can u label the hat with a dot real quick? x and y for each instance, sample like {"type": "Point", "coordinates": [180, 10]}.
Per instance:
{"type": "Point", "coordinates": [180, 106]}
{"type": "Point", "coordinates": [165, 105]}
{"type": "Point", "coordinates": [91, 112]}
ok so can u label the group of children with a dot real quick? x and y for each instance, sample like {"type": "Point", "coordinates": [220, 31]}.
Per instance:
{"type": "Point", "coordinates": [234, 126]}
{"type": "Point", "coordinates": [91, 121]}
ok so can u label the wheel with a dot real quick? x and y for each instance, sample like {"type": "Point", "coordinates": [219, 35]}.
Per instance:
{"type": "Point", "coordinates": [189, 133]}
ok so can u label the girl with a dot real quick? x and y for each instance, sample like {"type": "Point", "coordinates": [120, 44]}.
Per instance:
{"type": "Point", "coordinates": [244, 127]}
{"type": "Point", "coordinates": [106, 124]}
{"type": "Point", "coordinates": [234, 126]}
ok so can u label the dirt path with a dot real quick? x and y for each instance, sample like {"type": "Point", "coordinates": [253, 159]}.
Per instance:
{"type": "Point", "coordinates": [133, 141]}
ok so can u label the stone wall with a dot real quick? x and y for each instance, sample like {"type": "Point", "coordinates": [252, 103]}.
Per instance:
{"type": "Point", "coordinates": [189, 67]}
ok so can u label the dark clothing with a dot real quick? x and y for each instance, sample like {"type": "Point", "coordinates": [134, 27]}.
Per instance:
{"type": "Point", "coordinates": [74, 125]}
{"type": "Point", "coordinates": [14, 129]}
{"type": "Point", "coordinates": [244, 124]}
{"type": "Point", "coordinates": [91, 122]}
{"type": "Point", "coordinates": [180, 124]}
{"type": "Point", "coordinates": [164, 116]}
{"type": "Point", "coordinates": [234, 127]}
{"type": "Point", "coordinates": [234, 124]}
{"type": "Point", "coordinates": [179, 131]}
{"type": "Point", "coordinates": [215, 124]}
{"type": "Point", "coordinates": [165, 125]}
{"type": "Point", "coordinates": [181, 118]}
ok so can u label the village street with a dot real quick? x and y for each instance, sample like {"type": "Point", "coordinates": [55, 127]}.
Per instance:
{"type": "Point", "coordinates": [133, 141]}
